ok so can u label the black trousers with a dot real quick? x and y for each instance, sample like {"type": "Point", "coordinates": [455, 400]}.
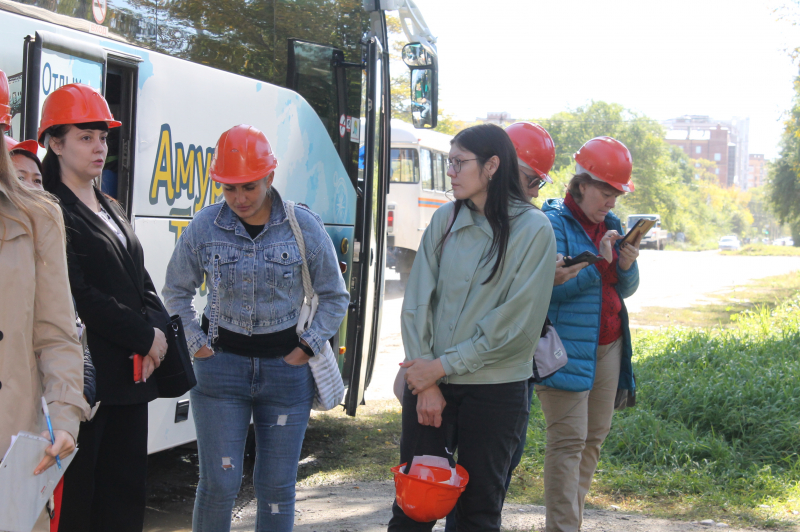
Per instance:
{"type": "Point", "coordinates": [488, 419]}
{"type": "Point", "coordinates": [104, 487]}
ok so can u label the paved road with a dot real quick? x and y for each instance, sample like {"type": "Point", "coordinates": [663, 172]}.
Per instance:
{"type": "Point", "coordinates": [668, 279]}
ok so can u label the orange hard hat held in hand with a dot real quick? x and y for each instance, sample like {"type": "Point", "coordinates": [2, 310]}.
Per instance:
{"type": "Point", "coordinates": [5, 103]}
{"type": "Point", "coordinates": [535, 147]}
{"type": "Point", "coordinates": [243, 154]}
{"type": "Point", "coordinates": [74, 104]}
{"type": "Point", "coordinates": [606, 159]}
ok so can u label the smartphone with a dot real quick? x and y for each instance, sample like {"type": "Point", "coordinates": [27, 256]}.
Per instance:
{"type": "Point", "coordinates": [641, 228]}
{"type": "Point", "coordinates": [586, 256]}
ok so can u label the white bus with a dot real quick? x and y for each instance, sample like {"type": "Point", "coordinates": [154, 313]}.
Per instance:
{"type": "Point", "coordinates": [419, 185]}
{"type": "Point", "coordinates": [178, 74]}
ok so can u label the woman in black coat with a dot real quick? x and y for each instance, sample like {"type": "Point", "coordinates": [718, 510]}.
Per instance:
{"type": "Point", "coordinates": [104, 488]}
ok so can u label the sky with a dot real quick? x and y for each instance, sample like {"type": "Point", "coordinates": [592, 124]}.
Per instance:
{"type": "Point", "coordinates": [532, 58]}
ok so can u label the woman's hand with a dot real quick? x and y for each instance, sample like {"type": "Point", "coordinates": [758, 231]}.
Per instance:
{"type": "Point", "coordinates": [158, 349]}
{"type": "Point", "coordinates": [422, 374]}
{"type": "Point", "coordinates": [297, 357]}
{"type": "Point", "coordinates": [430, 404]}
{"type": "Point", "coordinates": [148, 367]}
{"type": "Point", "coordinates": [63, 447]}
{"type": "Point", "coordinates": [627, 255]}
{"type": "Point", "coordinates": [203, 352]}
{"type": "Point", "coordinates": [607, 244]}
{"type": "Point", "coordinates": [565, 273]}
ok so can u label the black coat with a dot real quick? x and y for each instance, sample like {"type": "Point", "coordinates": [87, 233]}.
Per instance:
{"type": "Point", "coordinates": [112, 291]}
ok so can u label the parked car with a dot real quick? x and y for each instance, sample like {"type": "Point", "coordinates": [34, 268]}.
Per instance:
{"type": "Point", "coordinates": [729, 243]}
{"type": "Point", "coordinates": [785, 241]}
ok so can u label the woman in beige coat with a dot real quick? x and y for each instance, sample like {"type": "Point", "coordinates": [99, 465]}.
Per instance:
{"type": "Point", "coordinates": [39, 350]}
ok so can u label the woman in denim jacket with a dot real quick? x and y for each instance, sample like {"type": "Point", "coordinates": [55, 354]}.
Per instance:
{"type": "Point", "coordinates": [249, 360]}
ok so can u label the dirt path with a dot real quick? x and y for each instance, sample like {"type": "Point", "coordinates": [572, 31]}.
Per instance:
{"type": "Point", "coordinates": [366, 507]}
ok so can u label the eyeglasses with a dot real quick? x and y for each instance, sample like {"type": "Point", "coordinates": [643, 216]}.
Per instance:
{"type": "Point", "coordinates": [455, 164]}
{"type": "Point", "coordinates": [532, 181]}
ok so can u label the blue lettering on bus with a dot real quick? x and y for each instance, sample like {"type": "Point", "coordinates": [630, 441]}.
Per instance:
{"type": "Point", "coordinates": [46, 76]}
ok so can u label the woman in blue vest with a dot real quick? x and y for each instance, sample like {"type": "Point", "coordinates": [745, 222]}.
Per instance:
{"type": "Point", "coordinates": [589, 314]}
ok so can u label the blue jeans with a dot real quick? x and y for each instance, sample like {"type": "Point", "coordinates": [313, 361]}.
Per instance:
{"type": "Point", "coordinates": [450, 522]}
{"type": "Point", "coordinates": [230, 389]}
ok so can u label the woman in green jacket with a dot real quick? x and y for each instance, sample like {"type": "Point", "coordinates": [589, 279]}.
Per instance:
{"type": "Point", "coordinates": [474, 306]}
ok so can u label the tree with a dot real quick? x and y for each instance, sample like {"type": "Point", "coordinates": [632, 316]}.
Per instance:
{"type": "Point", "coordinates": [784, 174]}
{"type": "Point", "coordinates": [656, 168]}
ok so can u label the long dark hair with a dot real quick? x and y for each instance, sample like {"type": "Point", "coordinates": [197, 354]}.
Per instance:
{"type": "Point", "coordinates": [486, 141]}
{"type": "Point", "coordinates": [51, 167]}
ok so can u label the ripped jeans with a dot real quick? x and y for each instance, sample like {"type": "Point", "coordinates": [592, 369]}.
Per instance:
{"type": "Point", "coordinates": [230, 388]}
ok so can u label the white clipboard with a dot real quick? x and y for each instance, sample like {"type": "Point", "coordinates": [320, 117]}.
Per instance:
{"type": "Point", "coordinates": [23, 495]}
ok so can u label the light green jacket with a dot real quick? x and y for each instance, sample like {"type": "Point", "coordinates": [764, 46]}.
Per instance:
{"type": "Point", "coordinates": [482, 333]}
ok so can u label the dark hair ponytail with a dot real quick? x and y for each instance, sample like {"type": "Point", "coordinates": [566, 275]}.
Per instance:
{"type": "Point", "coordinates": [486, 141]}
{"type": "Point", "coordinates": [51, 167]}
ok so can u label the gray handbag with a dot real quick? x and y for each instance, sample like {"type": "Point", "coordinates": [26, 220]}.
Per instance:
{"type": "Point", "coordinates": [550, 355]}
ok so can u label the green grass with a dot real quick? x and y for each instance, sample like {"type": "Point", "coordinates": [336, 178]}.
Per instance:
{"type": "Point", "coordinates": [762, 250]}
{"type": "Point", "coordinates": [715, 434]}
{"type": "Point", "coordinates": [767, 292]}
{"type": "Point", "coordinates": [339, 448]}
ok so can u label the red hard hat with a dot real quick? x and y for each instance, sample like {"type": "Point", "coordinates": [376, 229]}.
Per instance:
{"type": "Point", "coordinates": [27, 145]}
{"type": "Point", "coordinates": [534, 147]}
{"type": "Point", "coordinates": [74, 104]}
{"type": "Point", "coordinates": [242, 155]}
{"type": "Point", "coordinates": [607, 160]}
{"type": "Point", "coordinates": [5, 102]}
{"type": "Point", "coordinates": [426, 500]}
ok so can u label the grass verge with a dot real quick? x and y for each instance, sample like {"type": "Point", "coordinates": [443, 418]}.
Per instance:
{"type": "Point", "coordinates": [339, 448]}
{"type": "Point", "coordinates": [762, 250]}
{"type": "Point", "coordinates": [722, 309]}
{"type": "Point", "coordinates": [715, 434]}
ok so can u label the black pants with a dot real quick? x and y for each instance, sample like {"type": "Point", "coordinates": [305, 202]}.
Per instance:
{"type": "Point", "coordinates": [488, 419]}
{"type": "Point", "coordinates": [104, 487]}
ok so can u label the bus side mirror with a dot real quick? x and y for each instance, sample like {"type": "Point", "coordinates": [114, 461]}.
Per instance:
{"type": "Point", "coordinates": [424, 85]}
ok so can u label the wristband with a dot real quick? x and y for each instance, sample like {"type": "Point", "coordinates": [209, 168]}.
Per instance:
{"type": "Point", "coordinates": [307, 350]}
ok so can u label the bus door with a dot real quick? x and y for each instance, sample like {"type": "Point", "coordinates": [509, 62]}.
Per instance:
{"type": "Point", "coordinates": [50, 61]}
{"type": "Point", "coordinates": [365, 312]}
{"type": "Point", "coordinates": [319, 74]}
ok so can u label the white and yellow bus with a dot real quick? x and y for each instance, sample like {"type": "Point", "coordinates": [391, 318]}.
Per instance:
{"type": "Point", "coordinates": [419, 185]}
{"type": "Point", "coordinates": [177, 74]}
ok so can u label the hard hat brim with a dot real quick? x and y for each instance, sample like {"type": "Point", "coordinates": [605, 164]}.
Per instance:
{"type": "Point", "coordinates": [241, 179]}
{"type": "Point", "coordinates": [43, 129]}
{"type": "Point", "coordinates": [28, 145]}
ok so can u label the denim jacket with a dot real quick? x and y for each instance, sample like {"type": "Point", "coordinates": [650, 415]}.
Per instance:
{"type": "Point", "coordinates": [255, 285]}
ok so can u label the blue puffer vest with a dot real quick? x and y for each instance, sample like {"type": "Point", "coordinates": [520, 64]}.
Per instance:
{"type": "Point", "coordinates": [575, 305]}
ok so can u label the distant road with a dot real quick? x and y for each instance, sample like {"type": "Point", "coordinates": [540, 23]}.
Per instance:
{"type": "Point", "coordinates": [680, 278]}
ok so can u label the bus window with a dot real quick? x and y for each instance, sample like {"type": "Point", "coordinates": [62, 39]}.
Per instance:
{"type": "Point", "coordinates": [404, 166]}
{"type": "Point", "coordinates": [447, 185]}
{"type": "Point", "coordinates": [425, 169]}
{"type": "Point", "coordinates": [438, 175]}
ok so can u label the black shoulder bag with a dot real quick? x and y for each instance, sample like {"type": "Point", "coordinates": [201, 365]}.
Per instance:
{"type": "Point", "coordinates": [175, 376]}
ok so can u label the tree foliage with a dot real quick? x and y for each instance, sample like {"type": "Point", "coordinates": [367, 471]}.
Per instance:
{"type": "Point", "coordinates": [685, 192]}
{"type": "Point", "coordinates": [784, 174]}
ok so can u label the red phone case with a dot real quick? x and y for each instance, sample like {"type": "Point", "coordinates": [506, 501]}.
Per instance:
{"type": "Point", "coordinates": [137, 368]}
